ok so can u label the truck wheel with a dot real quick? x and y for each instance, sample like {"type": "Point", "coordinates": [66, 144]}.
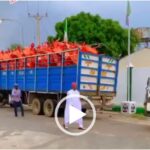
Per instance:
{"type": "Point", "coordinates": [84, 110]}
{"type": "Point", "coordinates": [36, 106]}
{"type": "Point", "coordinates": [4, 101]}
{"type": "Point", "coordinates": [49, 108]}
{"type": "Point", "coordinates": [1, 98]}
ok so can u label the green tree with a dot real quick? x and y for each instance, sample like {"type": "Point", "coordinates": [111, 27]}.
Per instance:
{"type": "Point", "coordinates": [14, 46]}
{"type": "Point", "coordinates": [50, 38]}
{"type": "Point", "coordinates": [92, 29]}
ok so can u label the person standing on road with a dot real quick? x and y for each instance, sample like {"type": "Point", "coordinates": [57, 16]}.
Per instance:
{"type": "Point", "coordinates": [75, 102]}
{"type": "Point", "coordinates": [16, 100]}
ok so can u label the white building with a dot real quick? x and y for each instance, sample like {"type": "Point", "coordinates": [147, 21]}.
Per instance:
{"type": "Point", "coordinates": [141, 72]}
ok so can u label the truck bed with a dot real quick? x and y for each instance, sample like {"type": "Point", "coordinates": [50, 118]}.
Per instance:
{"type": "Point", "coordinates": [94, 74]}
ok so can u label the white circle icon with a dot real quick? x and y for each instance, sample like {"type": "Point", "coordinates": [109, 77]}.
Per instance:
{"type": "Point", "coordinates": [73, 118]}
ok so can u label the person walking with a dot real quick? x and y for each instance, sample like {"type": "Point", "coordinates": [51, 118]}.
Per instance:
{"type": "Point", "coordinates": [16, 100]}
{"type": "Point", "coordinates": [75, 102]}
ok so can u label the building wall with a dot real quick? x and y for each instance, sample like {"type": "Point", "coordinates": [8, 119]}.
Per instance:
{"type": "Point", "coordinates": [141, 72]}
{"type": "Point", "coordinates": [140, 59]}
{"type": "Point", "coordinates": [139, 82]}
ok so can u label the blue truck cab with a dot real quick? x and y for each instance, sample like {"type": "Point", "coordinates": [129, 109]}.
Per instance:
{"type": "Point", "coordinates": [43, 87]}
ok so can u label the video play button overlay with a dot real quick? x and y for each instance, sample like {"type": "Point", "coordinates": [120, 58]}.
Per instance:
{"type": "Point", "coordinates": [75, 114]}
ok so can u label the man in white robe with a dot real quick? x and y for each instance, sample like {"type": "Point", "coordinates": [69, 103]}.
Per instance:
{"type": "Point", "coordinates": [75, 102]}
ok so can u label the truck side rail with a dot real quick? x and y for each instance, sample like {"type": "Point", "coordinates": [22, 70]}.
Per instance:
{"type": "Point", "coordinates": [13, 67]}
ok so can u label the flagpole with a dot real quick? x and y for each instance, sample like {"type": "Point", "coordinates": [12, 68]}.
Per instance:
{"type": "Point", "coordinates": [129, 44]}
{"type": "Point", "coordinates": [66, 31]}
{"type": "Point", "coordinates": [129, 66]}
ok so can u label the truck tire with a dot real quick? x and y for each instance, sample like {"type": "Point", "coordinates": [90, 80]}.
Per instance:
{"type": "Point", "coordinates": [84, 110]}
{"type": "Point", "coordinates": [36, 106]}
{"type": "Point", "coordinates": [1, 98]}
{"type": "Point", "coordinates": [49, 108]}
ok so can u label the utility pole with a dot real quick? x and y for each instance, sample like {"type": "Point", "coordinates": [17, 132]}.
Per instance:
{"type": "Point", "coordinates": [38, 18]}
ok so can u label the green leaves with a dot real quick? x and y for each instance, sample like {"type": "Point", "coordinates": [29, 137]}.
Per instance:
{"type": "Point", "coordinates": [50, 39]}
{"type": "Point", "coordinates": [15, 45]}
{"type": "Point", "coordinates": [88, 28]}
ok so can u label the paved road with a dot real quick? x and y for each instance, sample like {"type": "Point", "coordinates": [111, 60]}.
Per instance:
{"type": "Point", "coordinates": [113, 131]}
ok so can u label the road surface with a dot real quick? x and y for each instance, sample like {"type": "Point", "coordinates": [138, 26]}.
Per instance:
{"type": "Point", "coordinates": [110, 131]}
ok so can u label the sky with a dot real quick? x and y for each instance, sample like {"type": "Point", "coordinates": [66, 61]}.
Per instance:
{"type": "Point", "coordinates": [10, 32]}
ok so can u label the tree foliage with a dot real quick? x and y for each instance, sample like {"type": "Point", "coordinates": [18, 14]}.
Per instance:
{"type": "Point", "coordinates": [91, 29]}
{"type": "Point", "coordinates": [50, 39]}
{"type": "Point", "coordinates": [14, 46]}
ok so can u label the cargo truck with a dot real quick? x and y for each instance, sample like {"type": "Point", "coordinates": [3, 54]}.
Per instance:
{"type": "Point", "coordinates": [43, 87]}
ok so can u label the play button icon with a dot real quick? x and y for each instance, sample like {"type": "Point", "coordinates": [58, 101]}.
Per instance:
{"type": "Point", "coordinates": [75, 114]}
